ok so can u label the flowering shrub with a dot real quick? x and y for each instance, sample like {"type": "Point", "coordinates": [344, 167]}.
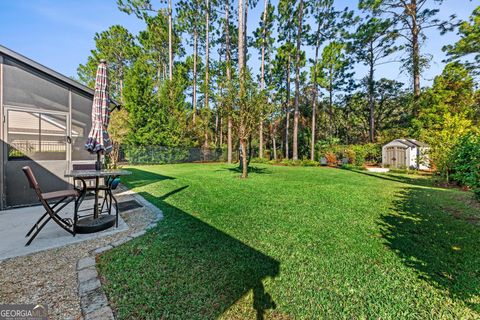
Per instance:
{"type": "Point", "coordinates": [331, 158]}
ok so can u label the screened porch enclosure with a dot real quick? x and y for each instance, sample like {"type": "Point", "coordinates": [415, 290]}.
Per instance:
{"type": "Point", "coordinates": [46, 119]}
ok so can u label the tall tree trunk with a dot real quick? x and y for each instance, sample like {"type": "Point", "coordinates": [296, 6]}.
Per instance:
{"type": "Point", "coordinates": [260, 138]}
{"type": "Point", "coordinates": [195, 55]}
{"type": "Point", "coordinates": [207, 50]}
{"type": "Point", "coordinates": [221, 131]}
{"type": "Point", "coordinates": [296, 115]}
{"type": "Point", "coordinates": [330, 102]}
{"type": "Point", "coordinates": [411, 9]}
{"type": "Point", "coordinates": [314, 122]}
{"type": "Point", "coordinates": [216, 129]}
{"type": "Point", "coordinates": [229, 139]}
{"type": "Point", "coordinates": [207, 62]}
{"type": "Point", "coordinates": [416, 69]}
{"type": "Point", "coordinates": [241, 72]}
{"type": "Point", "coordinates": [262, 77]}
{"type": "Point", "coordinates": [371, 102]}
{"type": "Point", "coordinates": [315, 94]}
{"type": "Point", "coordinates": [243, 145]}
{"type": "Point", "coordinates": [241, 41]}
{"type": "Point", "coordinates": [287, 121]}
{"type": "Point", "coordinates": [205, 144]}
{"type": "Point", "coordinates": [274, 144]}
{"type": "Point", "coordinates": [170, 39]}
{"type": "Point", "coordinates": [122, 101]}
{"type": "Point", "coordinates": [229, 78]}
{"type": "Point", "coordinates": [245, 38]}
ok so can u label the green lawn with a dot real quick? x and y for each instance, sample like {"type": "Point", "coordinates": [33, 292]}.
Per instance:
{"type": "Point", "coordinates": [292, 242]}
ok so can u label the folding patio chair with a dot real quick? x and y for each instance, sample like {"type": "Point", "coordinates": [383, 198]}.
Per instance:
{"type": "Point", "coordinates": [62, 197]}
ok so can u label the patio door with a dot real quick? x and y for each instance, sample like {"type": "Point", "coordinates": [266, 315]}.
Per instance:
{"type": "Point", "coordinates": [39, 139]}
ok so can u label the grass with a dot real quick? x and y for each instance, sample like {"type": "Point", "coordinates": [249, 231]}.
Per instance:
{"type": "Point", "coordinates": [297, 242]}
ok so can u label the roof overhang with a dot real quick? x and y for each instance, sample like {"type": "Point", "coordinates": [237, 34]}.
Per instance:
{"type": "Point", "coordinates": [52, 73]}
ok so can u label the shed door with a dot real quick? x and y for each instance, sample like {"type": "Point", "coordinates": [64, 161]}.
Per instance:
{"type": "Point", "coordinates": [37, 139]}
{"type": "Point", "coordinates": [396, 156]}
{"type": "Point", "coordinates": [401, 157]}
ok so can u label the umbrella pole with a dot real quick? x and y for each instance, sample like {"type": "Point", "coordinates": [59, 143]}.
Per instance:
{"type": "Point", "coordinates": [98, 165]}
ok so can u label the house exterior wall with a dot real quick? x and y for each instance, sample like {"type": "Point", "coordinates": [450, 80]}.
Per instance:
{"type": "Point", "coordinates": [2, 174]}
{"type": "Point", "coordinates": [39, 111]}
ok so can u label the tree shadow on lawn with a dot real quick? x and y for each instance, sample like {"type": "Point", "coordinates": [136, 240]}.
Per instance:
{"type": "Point", "coordinates": [140, 178]}
{"type": "Point", "coordinates": [186, 269]}
{"type": "Point", "coordinates": [397, 178]}
{"type": "Point", "coordinates": [444, 250]}
{"type": "Point", "coordinates": [251, 169]}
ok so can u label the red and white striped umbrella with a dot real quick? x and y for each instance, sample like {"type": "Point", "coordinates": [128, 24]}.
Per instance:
{"type": "Point", "coordinates": [98, 138]}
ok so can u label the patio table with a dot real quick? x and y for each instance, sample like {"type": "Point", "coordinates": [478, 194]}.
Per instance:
{"type": "Point", "coordinates": [96, 221]}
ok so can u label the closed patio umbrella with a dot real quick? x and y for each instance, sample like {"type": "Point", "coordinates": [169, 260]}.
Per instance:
{"type": "Point", "coordinates": [98, 138]}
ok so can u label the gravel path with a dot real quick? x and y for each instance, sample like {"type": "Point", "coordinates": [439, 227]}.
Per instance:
{"type": "Point", "coordinates": [50, 277]}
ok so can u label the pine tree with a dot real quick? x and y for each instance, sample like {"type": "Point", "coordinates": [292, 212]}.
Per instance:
{"type": "Point", "coordinates": [412, 18]}
{"type": "Point", "coordinates": [469, 43]}
{"type": "Point", "coordinates": [371, 42]}
{"type": "Point", "coordinates": [190, 20]}
{"type": "Point", "coordinates": [326, 18]}
{"type": "Point", "coordinates": [117, 46]}
{"type": "Point", "coordinates": [264, 42]}
{"type": "Point", "coordinates": [286, 33]}
{"type": "Point", "coordinates": [296, 115]}
{"type": "Point", "coordinates": [333, 75]}
{"type": "Point", "coordinates": [144, 9]}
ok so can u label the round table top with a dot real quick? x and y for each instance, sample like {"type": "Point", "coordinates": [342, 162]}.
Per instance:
{"type": "Point", "coordinates": [90, 173]}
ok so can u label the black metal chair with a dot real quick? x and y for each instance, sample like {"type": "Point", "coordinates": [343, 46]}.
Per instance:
{"type": "Point", "coordinates": [62, 198]}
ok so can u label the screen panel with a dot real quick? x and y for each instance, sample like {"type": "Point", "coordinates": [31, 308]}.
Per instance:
{"type": "Point", "coordinates": [81, 124]}
{"type": "Point", "coordinates": [36, 136]}
{"type": "Point", "coordinates": [26, 87]}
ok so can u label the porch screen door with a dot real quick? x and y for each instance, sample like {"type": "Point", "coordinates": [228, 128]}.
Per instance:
{"type": "Point", "coordinates": [38, 139]}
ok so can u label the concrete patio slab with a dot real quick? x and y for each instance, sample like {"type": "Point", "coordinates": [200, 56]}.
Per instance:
{"type": "Point", "coordinates": [15, 223]}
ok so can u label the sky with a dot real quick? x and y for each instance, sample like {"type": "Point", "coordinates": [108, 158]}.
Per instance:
{"type": "Point", "coordinates": [59, 33]}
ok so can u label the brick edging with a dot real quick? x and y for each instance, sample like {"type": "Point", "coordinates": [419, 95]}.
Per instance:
{"type": "Point", "coordinates": [93, 301]}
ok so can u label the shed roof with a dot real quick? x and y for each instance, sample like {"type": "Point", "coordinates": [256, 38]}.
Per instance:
{"type": "Point", "coordinates": [412, 143]}
{"type": "Point", "coordinates": [417, 143]}
{"type": "Point", "coordinates": [68, 81]}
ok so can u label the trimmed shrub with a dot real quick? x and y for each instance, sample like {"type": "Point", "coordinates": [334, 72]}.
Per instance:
{"type": "Point", "coordinates": [357, 154]}
{"type": "Point", "coordinates": [360, 154]}
{"type": "Point", "coordinates": [351, 167]}
{"type": "Point", "coordinates": [350, 155]}
{"type": "Point", "coordinates": [310, 163]}
{"type": "Point", "coordinates": [476, 193]}
{"type": "Point", "coordinates": [466, 161]}
{"type": "Point", "coordinates": [259, 160]}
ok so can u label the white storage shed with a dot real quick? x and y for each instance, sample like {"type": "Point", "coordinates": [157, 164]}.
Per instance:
{"type": "Point", "coordinates": [405, 153]}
